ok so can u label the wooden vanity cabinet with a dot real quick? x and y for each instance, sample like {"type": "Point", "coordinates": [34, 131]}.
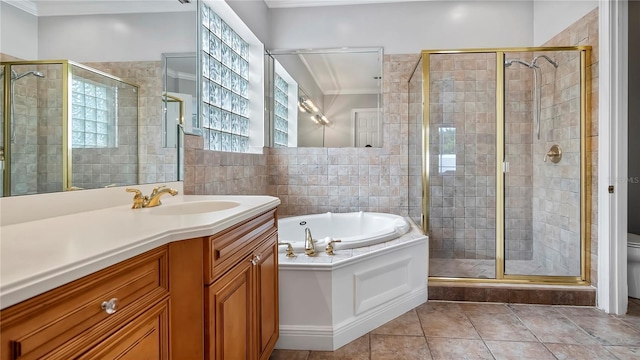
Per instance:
{"type": "Point", "coordinates": [74, 320]}
{"type": "Point", "coordinates": [213, 297]}
{"type": "Point", "coordinates": [241, 301]}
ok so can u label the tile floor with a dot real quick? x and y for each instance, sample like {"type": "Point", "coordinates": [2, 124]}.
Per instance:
{"type": "Point", "coordinates": [485, 269]}
{"type": "Point", "coordinates": [464, 330]}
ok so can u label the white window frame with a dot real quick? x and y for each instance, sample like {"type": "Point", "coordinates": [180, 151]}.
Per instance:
{"type": "Point", "coordinates": [256, 73]}
{"type": "Point", "coordinates": [292, 131]}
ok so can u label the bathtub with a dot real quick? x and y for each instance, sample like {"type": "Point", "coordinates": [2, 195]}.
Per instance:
{"type": "Point", "coordinates": [354, 230]}
{"type": "Point", "coordinates": [377, 276]}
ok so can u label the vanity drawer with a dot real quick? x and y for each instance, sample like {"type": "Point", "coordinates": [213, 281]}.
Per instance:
{"type": "Point", "coordinates": [68, 320]}
{"type": "Point", "coordinates": [225, 249]}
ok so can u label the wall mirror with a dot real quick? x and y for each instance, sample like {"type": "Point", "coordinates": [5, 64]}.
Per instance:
{"type": "Point", "coordinates": [326, 97]}
{"type": "Point", "coordinates": [146, 44]}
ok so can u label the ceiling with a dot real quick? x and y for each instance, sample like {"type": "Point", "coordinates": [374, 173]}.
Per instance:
{"type": "Point", "coordinates": [86, 7]}
{"type": "Point", "coordinates": [345, 73]}
{"type": "Point", "coordinates": [307, 3]}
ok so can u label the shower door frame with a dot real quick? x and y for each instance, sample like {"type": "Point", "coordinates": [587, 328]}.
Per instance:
{"type": "Point", "coordinates": [67, 148]}
{"type": "Point", "coordinates": [585, 196]}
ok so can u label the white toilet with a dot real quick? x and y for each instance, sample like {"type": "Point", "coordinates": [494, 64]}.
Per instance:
{"type": "Point", "coordinates": [633, 265]}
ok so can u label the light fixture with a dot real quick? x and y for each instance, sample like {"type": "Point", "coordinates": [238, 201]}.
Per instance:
{"type": "Point", "coordinates": [320, 119]}
{"type": "Point", "coordinates": [306, 105]}
{"type": "Point", "coordinates": [184, 1]}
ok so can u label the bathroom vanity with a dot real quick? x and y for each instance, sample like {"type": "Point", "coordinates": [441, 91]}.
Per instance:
{"type": "Point", "coordinates": [139, 284]}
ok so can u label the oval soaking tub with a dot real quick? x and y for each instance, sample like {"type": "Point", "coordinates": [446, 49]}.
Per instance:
{"type": "Point", "coordinates": [354, 229]}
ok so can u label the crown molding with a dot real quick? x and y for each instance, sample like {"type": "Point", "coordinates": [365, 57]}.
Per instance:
{"type": "Point", "coordinates": [86, 7]}
{"type": "Point", "coordinates": [181, 75]}
{"type": "Point", "coordinates": [24, 5]}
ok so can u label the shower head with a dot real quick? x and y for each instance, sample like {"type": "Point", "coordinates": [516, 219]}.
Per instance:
{"type": "Point", "coordinates": [16, 76]}
{"type": "Point", "coordinates": [510, 62]}
{"type": "Point", "coordinates": [544, 57]}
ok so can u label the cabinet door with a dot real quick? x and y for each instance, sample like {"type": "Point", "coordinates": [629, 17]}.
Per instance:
{"type": "Point", "coordinates": [229, 314]}
{"type": "Point", "coordinates": [266, 272]}
{"type": "Point", "coordinates": [145, 337]}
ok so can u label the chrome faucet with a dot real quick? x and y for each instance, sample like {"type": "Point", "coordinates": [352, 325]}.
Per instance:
{"type": "Point", "coordinates": [309, 245]}
{"type": "Point", "coordinates": [140, 201]}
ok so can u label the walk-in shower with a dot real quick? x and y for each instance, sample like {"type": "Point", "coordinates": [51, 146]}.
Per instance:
{"type": "Point", "coordinates": [483, 125]}
{"type": "Point", "coordinates": [64, 126]}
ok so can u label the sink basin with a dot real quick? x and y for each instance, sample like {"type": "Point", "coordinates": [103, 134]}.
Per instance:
{"type": "Point", "coordinates": [195, 207]}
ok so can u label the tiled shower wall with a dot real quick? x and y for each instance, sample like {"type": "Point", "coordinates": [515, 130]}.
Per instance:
{"type": "Point", "coordinates": [49, 127]}
{"type": "Point", "coordinates": [157, 164]}
{"type": "Point", "coordinates": [518, 182]}
{"type": "Point", "coordinates": [556, 192]}
{"type": "Point", "coordinates": [462, 200]}
{"type": "Point", "coordinates": [100, 167]}
{"type": "Point", "coordinates": [582, 32]}
{"type": "Point", "coordinates": [37, 151]}
{"type": "Point", "coordinates": [24, 146]}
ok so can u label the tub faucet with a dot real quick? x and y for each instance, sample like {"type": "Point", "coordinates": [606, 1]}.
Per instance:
{"type": "Point", "coordinates": [309, 245]}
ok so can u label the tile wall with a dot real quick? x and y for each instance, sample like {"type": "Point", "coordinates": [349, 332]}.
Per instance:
{"type": "Point", "coordinates": [585, 32]}
{"type": "Point", "coordinates": [518, 153]}
{"type": "Point", "coordinates": [48, 129]}
{"type": "Point", "coordinates": [315, 180]}
{"type": "Point", "coordinates": [462, 195]}
{"type": "Point", "coordinates": [24, 146]}
{"type": "Point", "coordinates": [157, 164]}
{"type": "Point", "coordinates": [100, 167]}
{"type": "Point", "coordinates": [222, 173]}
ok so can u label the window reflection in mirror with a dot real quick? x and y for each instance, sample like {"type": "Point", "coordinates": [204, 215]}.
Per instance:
{"type": "Point", "coordinates": [346, 87]}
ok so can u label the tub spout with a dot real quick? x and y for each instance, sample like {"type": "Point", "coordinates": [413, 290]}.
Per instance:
{"type": "Point", "coordinates": [309, 245]}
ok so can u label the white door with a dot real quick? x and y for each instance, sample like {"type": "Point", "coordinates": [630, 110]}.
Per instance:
{"type": "Point", "coordinates": [367, 127]}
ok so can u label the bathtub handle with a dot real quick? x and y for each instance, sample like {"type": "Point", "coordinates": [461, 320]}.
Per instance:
{"type": "Point", "coordinates": [289, 250]}
{"type": "Point", "coordinates": [329, 248]}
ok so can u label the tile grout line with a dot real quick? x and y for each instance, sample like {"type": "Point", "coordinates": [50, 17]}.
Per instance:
{"type": "Point", "coordinates": [531, 331]}
{"type": "Point", "coordinates": [478, 332]}
{"type": "Point", "coordinates": [426, 341]}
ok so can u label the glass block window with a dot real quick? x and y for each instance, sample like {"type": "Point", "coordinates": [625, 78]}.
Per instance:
{"type": "Point", "coordinates": [93, 114]}
{"type": "Point", "coordinates": [281, 111]}
{"type": "Point", "coordinates": [225, 85]}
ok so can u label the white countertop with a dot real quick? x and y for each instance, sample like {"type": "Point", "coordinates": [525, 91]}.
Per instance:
{"type": "Point", "coordinates": [37, 256]}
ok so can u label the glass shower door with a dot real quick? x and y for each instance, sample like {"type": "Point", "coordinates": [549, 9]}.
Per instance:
{"type": "Point", "coordinates": [2, 110]}
{"type": "Point", "coordinates": [542, 182]}
{"type": "Point", "coordinates": [462, 165]}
